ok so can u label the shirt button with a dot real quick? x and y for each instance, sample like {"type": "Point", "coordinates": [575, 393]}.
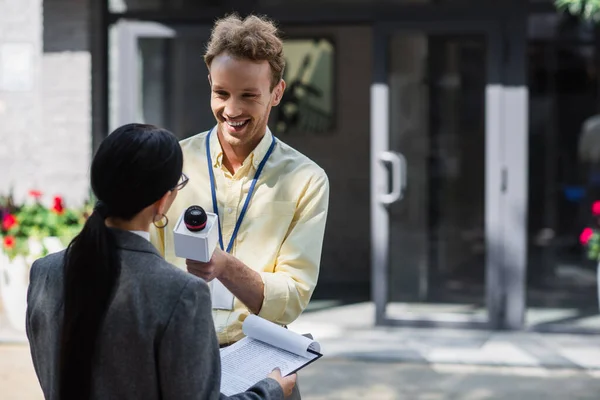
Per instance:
{"type": "Point", "coordinates": [229, 210]}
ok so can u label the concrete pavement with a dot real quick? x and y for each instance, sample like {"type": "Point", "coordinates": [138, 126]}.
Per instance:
{"type": "Point", "coordinates": [353, 380]}
{"type": "Point", "coordinates": [364, 362]}
{"type": "Point", "coordinates": [344, 379]}
{"type": "Point", "coordinates": [17, 377]}
{"type": "Point", "coordinates": [348, 332]}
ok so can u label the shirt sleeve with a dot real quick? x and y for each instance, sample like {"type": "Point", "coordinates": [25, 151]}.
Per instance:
{"type": "Point", "coordinates": [287, 290]}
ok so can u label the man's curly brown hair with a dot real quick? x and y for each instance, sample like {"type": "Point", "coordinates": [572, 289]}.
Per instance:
{"type": "Point", "coordinates": [254, 38]}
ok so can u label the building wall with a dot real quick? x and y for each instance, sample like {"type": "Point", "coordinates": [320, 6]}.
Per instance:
{"type": "Point", "coordinates": [45, 129]}
{"type": "Point", "coordinates": [344, 154]}
{"type": "Point", "coordinates": [20, 85]}
{"type": "Point", "coordinates": [66, 99]}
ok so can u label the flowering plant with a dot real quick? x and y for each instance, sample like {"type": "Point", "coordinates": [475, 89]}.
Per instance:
{"type": "Point", "coordinates": [32, 220]}
{"type": "Point", "coordinates": [590, 236]}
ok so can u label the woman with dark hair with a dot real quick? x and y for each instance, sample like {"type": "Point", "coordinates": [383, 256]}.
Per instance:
{"type": "Point", "coordinates": [109, 318]}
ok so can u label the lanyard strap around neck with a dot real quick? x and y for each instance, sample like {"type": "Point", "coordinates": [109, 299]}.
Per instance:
{"type": "Point", "coordinates": [213, 190]}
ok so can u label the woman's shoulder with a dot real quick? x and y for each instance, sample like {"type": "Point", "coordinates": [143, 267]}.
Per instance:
{"type": "Point", "coordinates": [163, 276]}
{"type": "Point", "coordinates": [45, 279]}
{"type": "Point", "coordinates": [50, 260]}
{"type": "Point", "coordinates": [185, 279]}
{"type": "Point", "coordinates": [52, 264]}
{"type": "Point", "coordinates": [192, 287]}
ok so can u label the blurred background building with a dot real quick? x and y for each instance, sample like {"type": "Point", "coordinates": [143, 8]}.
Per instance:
{"type": "Point", "coordinates": [449, 129]}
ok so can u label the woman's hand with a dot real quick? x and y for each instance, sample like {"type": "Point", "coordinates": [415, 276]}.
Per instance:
{"type": "Point", "coordinates": [287, 382]}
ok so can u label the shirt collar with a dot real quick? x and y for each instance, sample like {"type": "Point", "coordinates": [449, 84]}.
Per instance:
{"type": "Point", "coordinates": [144, 234]}
{"type": "Point", "coordinates": [259, 152]}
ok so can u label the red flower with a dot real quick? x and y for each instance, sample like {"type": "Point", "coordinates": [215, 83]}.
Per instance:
{"type": "Point", "coordinates": [9, 242]}
{"type": "Point", "coordinates": [8, 221]}
{"type": "Point", "coordinates": [586, 235]}
{"type": "Point", "coordinates": [58, 205]}
{"type": "Point", "coordinates": [36, 194]}
{"type": "Point", "coordinates": [596, 208]}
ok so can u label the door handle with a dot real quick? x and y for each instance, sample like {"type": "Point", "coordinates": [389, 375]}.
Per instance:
{"type": "Point", "coordinates": [398, 170]}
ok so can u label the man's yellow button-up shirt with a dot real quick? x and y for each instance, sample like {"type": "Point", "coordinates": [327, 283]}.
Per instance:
{"type": "Point", "coordinates": [281, 235]}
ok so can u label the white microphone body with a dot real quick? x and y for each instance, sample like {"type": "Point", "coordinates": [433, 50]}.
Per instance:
{"type": "Point", "coordinates": [199, 245]}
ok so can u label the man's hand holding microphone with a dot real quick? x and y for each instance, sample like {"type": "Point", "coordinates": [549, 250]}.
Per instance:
{"type": "Point", "coordinates": [214, 263]}
{"type": "Point", "coordinates": [211, 269]}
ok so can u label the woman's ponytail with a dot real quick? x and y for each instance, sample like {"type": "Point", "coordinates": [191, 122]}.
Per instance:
{"type": "Point", "coordinates": [91, 270]}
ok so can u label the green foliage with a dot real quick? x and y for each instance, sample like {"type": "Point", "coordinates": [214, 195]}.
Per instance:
{"type": "Point", "coordinates": [33, 220]}
{"type": "Point", "coordinates": [586, 9]}
{"type": "Point", "coordinates": [593, 247]}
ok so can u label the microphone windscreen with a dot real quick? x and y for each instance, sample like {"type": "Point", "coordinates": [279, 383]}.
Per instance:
{"type": "Point", "coordinates": [195, 218]}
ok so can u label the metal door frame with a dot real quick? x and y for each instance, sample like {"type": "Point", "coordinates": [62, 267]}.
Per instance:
{"type": "Point", "coordinates": [128, 33]}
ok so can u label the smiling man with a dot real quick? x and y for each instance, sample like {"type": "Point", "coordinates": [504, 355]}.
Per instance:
{"type": "Point", "coordinates": [271, 200]}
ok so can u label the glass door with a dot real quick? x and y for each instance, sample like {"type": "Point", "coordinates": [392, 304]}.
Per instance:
{"type": "Point", "coordinates": [564, 175]}
{"type": "Point", "coordinates": [436, 176]}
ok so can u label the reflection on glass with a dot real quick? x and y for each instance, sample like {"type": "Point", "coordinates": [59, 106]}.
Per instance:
{"type": "Point", "coordinates": [307, 104]}
{"type": "Point", "coordinates": [437, 114]}
{"type": "Point", "coordinates": [153, 78]}
{"type": "Point", "coordinates": [174, 84]}
{"type": "Point", "coordinates": [564, 179]}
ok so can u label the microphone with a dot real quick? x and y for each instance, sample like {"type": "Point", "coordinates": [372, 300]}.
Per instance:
{"type": "Point", "coordinates": [195, 218]}
{"type": "Point", "coordinates": [196, 234]}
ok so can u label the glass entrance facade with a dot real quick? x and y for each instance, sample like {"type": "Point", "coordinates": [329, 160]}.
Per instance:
{"type": "Point", "coordinates": [438, 239]}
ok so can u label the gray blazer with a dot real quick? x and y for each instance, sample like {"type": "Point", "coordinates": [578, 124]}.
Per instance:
{"type": "Point", "coordinates": [158, 340]}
